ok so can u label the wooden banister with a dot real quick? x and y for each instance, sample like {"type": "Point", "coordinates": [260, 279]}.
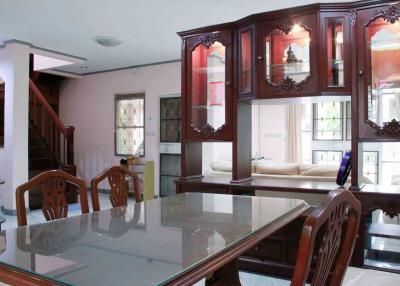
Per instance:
{"type": "Point", "coordinates": [58, 138]}
{"type": "Point", "coordinates": [70, 145]}
{"type": "Point", "coordinates": [49, 110]}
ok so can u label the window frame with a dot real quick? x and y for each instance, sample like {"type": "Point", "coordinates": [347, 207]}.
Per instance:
{"type": "Point", "coordinates": [320, 150]}
{"type": "Point", "coordinates": [128, 96]}
{"type": "Point", "coordinates": [376, 164]}
{"type": "Point", "coordinates": [348, 120]}
{"type": "Point", "coordinates": [314, 125]}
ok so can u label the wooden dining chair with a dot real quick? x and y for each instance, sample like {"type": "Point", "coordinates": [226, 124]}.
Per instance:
{"type": "Point", "coordinates": [52, 185]}
{"type": "Point", "coordinates": [337, 220]}
{"type": "Point", "coordinates": [116, 176]}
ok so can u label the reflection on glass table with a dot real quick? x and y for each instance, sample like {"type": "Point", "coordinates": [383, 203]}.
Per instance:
{"type": "Point", "coordinates": [150, 243]}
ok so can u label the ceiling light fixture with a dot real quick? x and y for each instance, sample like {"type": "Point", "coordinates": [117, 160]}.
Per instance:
{"type": "Point", "coordinates": [106, 41]}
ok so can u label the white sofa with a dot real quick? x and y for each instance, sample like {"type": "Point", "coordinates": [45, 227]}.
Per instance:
{"type": "Point", "coordinates": [285, 171]}
{"type": "Point", "coordinates": [278, 170]}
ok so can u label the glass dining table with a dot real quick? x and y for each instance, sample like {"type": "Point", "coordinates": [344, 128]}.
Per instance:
{"type": "Point", "coordinates": [175, 240]}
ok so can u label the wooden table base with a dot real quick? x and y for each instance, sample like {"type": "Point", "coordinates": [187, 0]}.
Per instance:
{"type": "Point", "coordinates": [228, 275]}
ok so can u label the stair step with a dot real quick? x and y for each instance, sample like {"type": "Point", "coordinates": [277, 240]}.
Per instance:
{"type": "Point", "coordinates": [38, 152]}
{"type": "Point", "coordinates": [35, 142]}
{"type": "Point", "coordinates": [42, 163]}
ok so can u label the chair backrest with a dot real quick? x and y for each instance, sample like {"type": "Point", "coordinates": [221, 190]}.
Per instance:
{"type": "Point", "coordinates": [52, 184]}
{"type": "Point", "coordinates": [119, 188]}
{"type": "Point", "coordinates": [338, 239]}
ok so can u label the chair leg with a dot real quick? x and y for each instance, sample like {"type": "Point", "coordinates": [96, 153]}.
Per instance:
{"type": "Point", "coordinates": [228, 275]}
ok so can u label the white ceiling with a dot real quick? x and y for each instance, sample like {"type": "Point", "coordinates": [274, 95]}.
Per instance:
{"type": "Point", "coordinates": [147, 28]}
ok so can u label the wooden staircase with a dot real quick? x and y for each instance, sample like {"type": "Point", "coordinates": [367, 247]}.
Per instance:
{"type": "Point", "coordinates": [51, 143]}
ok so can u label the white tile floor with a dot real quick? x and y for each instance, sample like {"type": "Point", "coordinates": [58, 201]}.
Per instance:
{"type": "Point", "coordinates": [354, 276]}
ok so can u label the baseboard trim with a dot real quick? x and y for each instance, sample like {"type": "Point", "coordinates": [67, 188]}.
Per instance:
{"type": "Point", "coordinates": [12, 212]}
{"type": "Point", "coordinates": [104, 191]}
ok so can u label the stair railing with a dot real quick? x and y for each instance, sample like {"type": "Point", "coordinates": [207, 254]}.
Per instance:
{"type": "Point", "coordinates": [58, 138]}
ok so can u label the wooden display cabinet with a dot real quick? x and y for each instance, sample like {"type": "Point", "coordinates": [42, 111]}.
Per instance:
{"type": "Point", "coordinates": [287, 57]}
{"type": "Point", "coordinates": [325, 49]}
{"type": "Point", "coordinates": [314, 50]}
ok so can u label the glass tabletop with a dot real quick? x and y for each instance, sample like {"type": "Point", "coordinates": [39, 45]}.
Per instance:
{"type": "Point", "coordinates": [148, 243]}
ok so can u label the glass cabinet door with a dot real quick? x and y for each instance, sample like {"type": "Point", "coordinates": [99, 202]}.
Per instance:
{"type": "Point", "coordinates": [288, 61]}
{"type": "Point", "coordinates": [209, 73]}
{"type": "Point", "coordinates": [379, 71]}
{"type": "Point", "coordinates": [287, 55]}
{"type": "Point", "coordinates": [246, 61]}
{"type": "Point", "coordinates": [335, 53]}
{"type": "Point", "coordinates": [335, 48]}
{"type": "Point", "coordinates": [383, 42]}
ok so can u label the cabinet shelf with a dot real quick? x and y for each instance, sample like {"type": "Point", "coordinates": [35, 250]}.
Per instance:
{"type": "Point", "coordinates": [208, 106]}
{"type": "Point", "coordinates": [290, 74]}
{"type": "Point", "coordinates": [209, 70]}
{"type": "Point", "coordinates": [288, 64]}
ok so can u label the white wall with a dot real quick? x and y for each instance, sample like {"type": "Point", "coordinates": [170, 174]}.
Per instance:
{"type": "Point", "coordinates": [88, 105]}
{"type": "Point", "coordinates": [14, 70]}
{"type": "Point", "coordinates": [269, 131]}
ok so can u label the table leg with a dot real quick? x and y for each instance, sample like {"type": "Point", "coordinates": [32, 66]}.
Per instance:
{"type": "Point", "coordinates": [228, 275]}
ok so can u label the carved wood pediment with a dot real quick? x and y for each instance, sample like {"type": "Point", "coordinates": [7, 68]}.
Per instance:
{"type": "Point", "coordinates": [284, 27]}
{"type": "Point", "coordinates": [207, 130]}
{"type": "Point", "coordinates": [206, 40]}
{"type": "Point", "coordinates": [390, 129]}
{"type": "Point", "coordinates": [390, 208]}
{"type": "Point", "coordinates": [390, 15]}
{"type": "Point", "coordinates": [288, 84]}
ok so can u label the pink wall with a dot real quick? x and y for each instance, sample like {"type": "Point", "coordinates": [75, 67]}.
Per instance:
{"type": "Point", "coordinates": [88, 105]}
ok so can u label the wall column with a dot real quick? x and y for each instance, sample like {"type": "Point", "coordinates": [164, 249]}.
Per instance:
{"type": "Point", "coordinates": [14, 70]}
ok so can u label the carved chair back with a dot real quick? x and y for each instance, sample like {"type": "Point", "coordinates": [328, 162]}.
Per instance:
{"type": "Point", "coordinates": [52, 185]}
{"type": "Point", "coordinates": [338, 239]}
{"type": "Point", "coordinates": [116, 176]}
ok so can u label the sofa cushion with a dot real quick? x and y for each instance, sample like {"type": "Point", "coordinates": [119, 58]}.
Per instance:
{"type": "Point", "coordinates": [277, 168]}
{"type": "Point", "coordinates": [226, 166]}
{"type": "Point", "coordinates": [318, 170]}
{"type": "Point", "coordinates": [221, 166]}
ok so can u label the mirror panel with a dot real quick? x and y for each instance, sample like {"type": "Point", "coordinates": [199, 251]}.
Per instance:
{"type": "Point", "coordinates": [383, 42]}
{"type": "Point", "coordinates": [287, 55]}
{"type": "Point", "coordinates": [208, 86]}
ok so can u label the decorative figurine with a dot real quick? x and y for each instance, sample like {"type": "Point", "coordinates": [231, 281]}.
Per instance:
{"type": "Point", "coordinates": [291, 57]}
